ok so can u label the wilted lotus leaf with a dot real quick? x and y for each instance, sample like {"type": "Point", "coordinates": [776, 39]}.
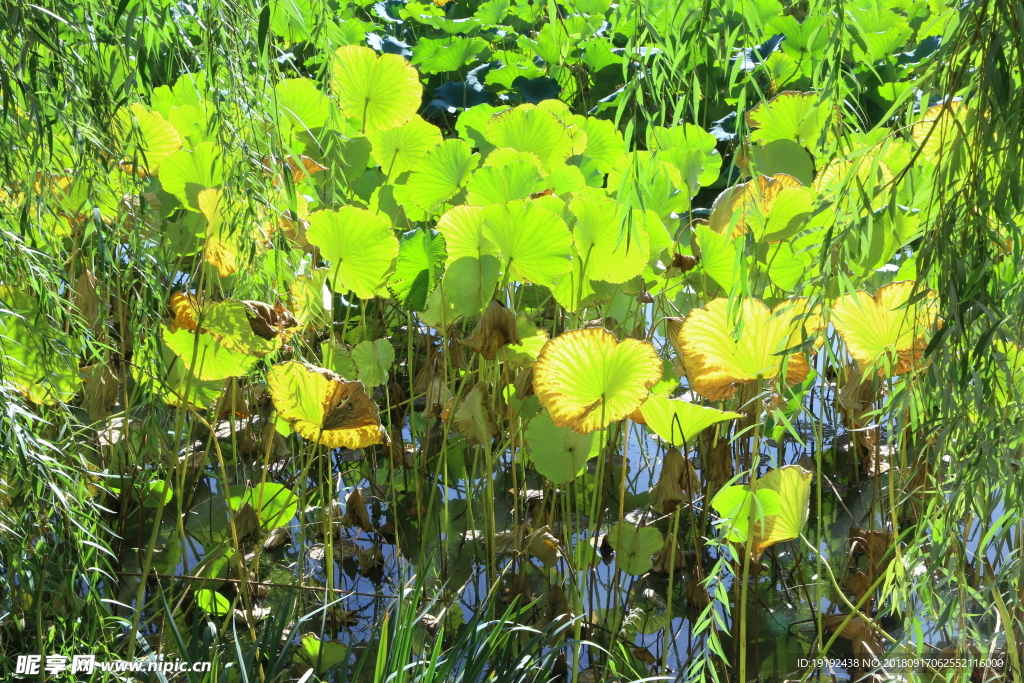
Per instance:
{"type": "Point", "coordinates": [100, 390]}
{"type": "Point", "coordinates": [864, 639]}
{"type": "Point", "coordinates": [587, 380]}
{"type": "Point", "coordinates": [532, 340]}
{"type": "Point", "coordinates": [356, 513]}
{"type": "Point", "coordinates": [771, 208]}
{"type": "Point", "coordinates": [243, 326]}
{"type": "Point", "coordinates": [323, 407]}
{"type": "Point", "coordinates": [677, 484]}
{"type": "Point", "coordinates": [29, 340]}
{"type": "Point", "coordinates": [473, 417]}
{"type": "Point", "coordinates": [883, 330]}
{"type": "Point", "coordinates": [497, 327]}
{"type": "Point", "coordinates": [542, 545]}
{"type": "Point", "coordinates": [299, 168]}
{"type": "Point", "coordinates": [678, 422]}
{"type": "Point", "coordinates": [634, 547]}
{"type": "Point", "coordinates": [559, 453]}
{"type": "Point", "coordinates": [186, 312]}
{"type": "Point", "coordinates": [716, 359]}
{"type": "Point", "coordinates": [671, 557]}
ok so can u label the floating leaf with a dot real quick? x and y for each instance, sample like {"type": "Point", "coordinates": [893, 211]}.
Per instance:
{"type": "Point", "coordinates": [634, 547]}
{"type": "Point", "coordinates": [322, 655]}
{"type": "Point", "coordinates": [884, 330]}
{"type": "Point", "coordinates": [275, 504]}
{"type": "Point", "coordinates": [359, 245]}
{"type": "Point", "coordinates": [587, 380]}
{"type": "Point", "coordinates": [323, 407]}
{"type": "Point", "coordinates": [722, 347]}
{"type": "Point", "coordinates": [380, 92]}
{"type": "Point", "coordinates": [559, 453]}
{"type": "Point", "coordinates": [678, 422]}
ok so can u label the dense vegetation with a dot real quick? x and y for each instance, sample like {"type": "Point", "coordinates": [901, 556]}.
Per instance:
{"type": "Point", "coordinates": [513, 340]}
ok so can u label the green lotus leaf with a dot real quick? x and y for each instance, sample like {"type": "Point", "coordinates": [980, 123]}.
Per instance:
{"type": "Point", "coordinates": [789, 115]}
{"type": "Point", "coordinates": [678, 422]}
{"type": "Point", "coordinates": [640, 180]}
{"type": "Point", "coordinates": [359, 245]}
{"type": "Point", "coordinates": [733, 505]}
{"type": "Point", "coordinates": [379, 92]}
{"type": "Point", "coordinates": [533, 242]}
{"type": "Point", "coordinates": [586, 379]}
{"type": "Point", "coordinates": [610, 245]}
{"type": "Point", "coordinates": [463, 230]}
{"type": "Point", "coordinates": [187, 173]}
{"type": "Point", "coordinates": [727, 344]}
{"type": "Point", "coordinates": [469, 283]}
{"type": "Point", "coordinates": [398, 149]}
{"type": "Point", "coordinates": [605, 145]}
{"type": "Point", "coordinates": [882, 234]}
{"type": "Point", "coordinates": [886, 331]}
{"type": "Point", "coordinates": [169, 377]}
{"type": "Point", "coordinates": [634, 547]}
{"type": "Point", "coordinates": [785, 157]}
{"type": "Point", "coordinates": [157, 138]}
{"type": "Point", "coordinates": [373, 358]}
{"type": "Point", "coordinates": [194, 123]}
{"type": "Point", "coordinates": [564, 179]}
{"type": "Point", "coordinates": [421, 255]}
{"type": "Point", "coordinates": [881, 31]}
{"type": "Point", "coordinates": [275, 504]}
{"type": "Point", "coordinates": [303, 103]}
{"type": "Point", "coordinates": [771, 208]}
{"type": "Point", "coordinates": [559, 453]}
{"type": "Point", "coordinates": [531, 341]}
{"type": "Point", "coordinates": [531, 129]}
{"type": "Point", "coordinates": [492, 12]}
{"type": "Point", "coordinates": [338, 358]}
{"type": "Point", "coordinates": [228, 322]}
{"type": "Point", "coordinates": [324, 408]}
{"type": "Point", "coordinates": [441, 173]}
{"type": "Point", "coordinates": [212, 602]}
{"type": "Point", "coordinates": [500, 185]}
{"type": "Point", "coordinates": [323, 655]}
{"type": "Point", "coordinates": [793, 486]}
{"type": "Point", "coordinates": [29, 343]}
{"type": "Point", "coordinates": [205, 357]}
{"type": "Point", "coordinates": [721, 258]}
{"type": "Point", "coordinates": [574, 290]}
{"type": "Point", "coordinates": [472, 124]}
{"type": "Point", "coordinates": [789, 263]}
{"type": "Point", "coordinates": [447, 55]}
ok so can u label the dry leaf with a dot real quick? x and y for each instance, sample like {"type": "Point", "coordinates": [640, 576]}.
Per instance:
{"type": "Point", "coordinates": [99, 391]}
{"type": "Point", "coordinates": [277, 538]}
{"type": "Point", "coordinates": [356, 513]}
{"type": "Point", "coordinates": [473, 418]}
{"type": "Point", "coordinates": [497, 327]}
{"type": "Point", "coordinates": [677, 484]}
{"type": "Point", "coordinates": [86, 300]}
{"type": "Point", "coordinates": [542, 545]}
{"type": "Point", "coordinates": [874, 545]}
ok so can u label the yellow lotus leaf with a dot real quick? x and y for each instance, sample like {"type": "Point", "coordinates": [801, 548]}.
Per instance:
{"type": "Point", "coordinates": [324, 407]}
{"type": "Point", "coordinates": [942, 127]}
{"type": "Point", "coordinates": [883, 328]}
{"type": "Point", "coordinates": [723, 348]}
{"type": "Point", "coordinates": [586, 379]}
{"type": "Point", "coordinates": [770, 207]}
{"type": "Point", "coordinates": [793, 484]}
